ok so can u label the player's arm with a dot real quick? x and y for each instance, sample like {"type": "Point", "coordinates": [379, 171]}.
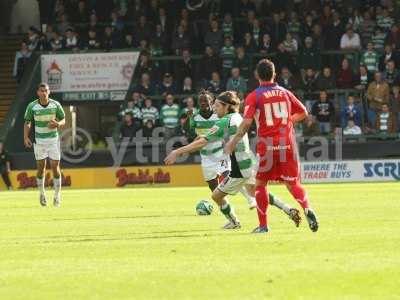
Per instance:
{"type": "Point", "coordinates": [242, 130]}
{"type": "Point", "coordinates": [27, 130]}
{"type": "Point", "coordinates": [299, 111]}
{"type": "Point", "coordinates": [193, 146]}
{"type": "Point", "coordinates": [59, 122]}
{"type": "Point", "coordinates": [248, 115]}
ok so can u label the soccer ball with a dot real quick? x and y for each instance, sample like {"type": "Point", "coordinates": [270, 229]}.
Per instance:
{"type": "Point", "coordinates": [204, 208]}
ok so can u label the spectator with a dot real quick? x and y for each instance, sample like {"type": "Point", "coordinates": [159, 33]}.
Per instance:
{"type": "Point", "coordinates": [391, 74]}
{"type": "Point", "coordinates": [187, 86]}
{"type": "Point", "coordinates": [277, 29]}
{"type": "Point", "coordinates": [362, 79]}
{"type": "Point", "coordinates": [33, 39]}
{"type": "Point", "coordinates": [56, 43]}
{"type": "Point", "coordinates": [345, 78]}
{"type": "Point", "coordinates": [159, 38]}
{"type": "Point", "coordinates": [163, 20]}
{"type": "Point", "coordinates": [287, 80]}
{"type": "Point", "coordinates": [367, 28]}
{"type": "Point", "coordinates": [256, 32]}
{"type": "Point", "coordinates": [377, 95]}
{"type": "Point", "coordinates": [21, 59]}
{"type": "Point", "coordinates": [378, 39]}
{"type": "Point", "coordinates": [384, 20]}
{"type": "Point", "coordinates": [243, 62]}
{"type": "Point", "coordinates": [185, 67]}
{"type": "Point", "coordinates": [129, 127]}
{"type": "Point", "coordinates": [63, 25]}
{"type": "Point", "coordinates": [385, 121]}
{"type": "Point", "coordinates": [110, 39]}
{"type": "Point", "coordinates": [284, 59]}
{"type": "Point", "coordinates": [227, 55]}
{"type": "Point", "coordinates": [93, 24]}
{"type": "Point", "coordinates": [307, 25]}
{"type": "Point", "coordinates": [132, 108]}
{"type": "Point", "coordinates": [326, 80]}
{"type": "Point", "coordinates": [118, 24]}
{"type": "Point", "coordinates": [265, 46]}
{"type": "Point", "coordinates": [389, 54]}
{"type": "Point", "coordinates": [148, 129]}
{"type": "Point", "coordinates": [290, 43]}
{"type": "Point", "coordinates": [370, 58]}
{"type": "Point", "coordinates": [71, 40]}
{"type": "Point", "coordinates": [209, 64]}
{"type": "Point", "coordinates": [334, 32]}
{"type": "Point", "coordinates": [350, 40]}
{"type": "Point", "coordinates": [145, 65]}
{"type": "Point", "coordinates": [5, 166]}
{"type": "Point", "coordinates": [145, 86]}
{"type": "Point", "coordinates": [80, 14]}
{"type": "Point", "coordinates": [236, 82]}
{"type": "Point", "coordinates": [317, 36]}
{"type": "Point", "coordinates": [92, 42]}
{"type": "Point", "coordinates": [395, 103]}
{"type": "Point", "coordinates": [180, 41]}
{"type": "Point", "coordinates": [324, 111]}
{"type": "Point", "coordinates": [249, 43]}
{"type": "Point", "coordinates": [356, 20]}
{"type": "Point", "coordinates": [309, 57]}
{"type": "Point", "coordinates": [309, 87]}
{"type": "Point", "coordinates": [167, 85]}
{"type": "Point", "coordinates": [352, 128]}
{"type": "Point", "coordinates": [169, 116]}
{"type": "Point", "coordinates": [143, 29]}
{"type": "Point", "coordinates": [227, 25]}
{"type": "Point", "coordinates": [149, 112]}
{"type": "Point", "coordinates": [350, 112]}
{"type": "Point", "coordinates": [310, 127]}
{"type": "Point", "coordinates": [215, 85]}
{"type": "Point", "coordinates": [294, 26]}
{"type": "Point", "coordinates": [190, 109]}
{"type": "Point", "coordinates": [393, 37]}
{"type": "Point", "coordinates": [214, 37]}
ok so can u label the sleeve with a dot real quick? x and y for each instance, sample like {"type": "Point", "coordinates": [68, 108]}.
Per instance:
{"type": "Point", "coordinates": [250, 106]}
{"type": "Point", "coordinates": [296, 105]}
{"type": "Point", "coordinates": [60, 115]}
{"type": "Point", "coordinates": [216, 132]}
{"type": "Point", "coordinates": [28, 117]}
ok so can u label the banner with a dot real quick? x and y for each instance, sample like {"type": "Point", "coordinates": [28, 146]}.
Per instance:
{"type": "Point", "coordinates": [88, 72]}
{"type": "Point", "coordinates": [350, 171]}
{"type": "Point", "coordinates": [149, 176]}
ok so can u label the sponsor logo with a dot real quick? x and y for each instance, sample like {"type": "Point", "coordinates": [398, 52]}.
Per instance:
{"type": "Point", "coordinates": [382, 169]}
{"type": "Point", "coordinates": [54, 76]}
{"type": "Point", "coordinates": [142, 177]}
{"type": "Point", "coordinates": [26, 181]}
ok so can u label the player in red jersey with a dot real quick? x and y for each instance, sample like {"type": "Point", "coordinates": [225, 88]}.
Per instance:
{"type": "Point", "coordinates": [275, 110]}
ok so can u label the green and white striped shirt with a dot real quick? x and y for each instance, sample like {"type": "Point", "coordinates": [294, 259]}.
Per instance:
{"type": "Point", "coordinates": [226, 127]}
{"type": "Point", "coordinates": [150, 113]}
{"type": "Point", "coordinates": [201, 126]}
{"type": "Point", "coordinates": [135, 111]}
{"type": "Point", "coordinates": [40, 116]}
{"type": "Point", "coordinates": [169, 115]}
{"type": "Point", "coordinates": [370, 60]}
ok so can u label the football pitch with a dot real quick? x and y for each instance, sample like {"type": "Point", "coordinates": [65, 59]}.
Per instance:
{"type": "Point", "coordinates": [147, 243]}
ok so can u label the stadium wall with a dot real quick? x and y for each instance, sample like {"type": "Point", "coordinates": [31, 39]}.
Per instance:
{"type": "Point", "coordinates": [191, 175]}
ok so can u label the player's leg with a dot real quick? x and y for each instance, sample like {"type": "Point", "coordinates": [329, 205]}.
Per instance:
{"type": "Point", "coordinates": [293, 213]}
{"type": "Point", "coordinates": [262, 206]}
{"type": "Point", "coordinates": [228, 186]}
{"type": "Point", "coordinates": [300, 195]}
{"type": "Point", "coordinates": [40, 179]}
{"type": "Point", "coordinates": [212, 184]}
{"type": "Point", "coordinates": [55, 156]}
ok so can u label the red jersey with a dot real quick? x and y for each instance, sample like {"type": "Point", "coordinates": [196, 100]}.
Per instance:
{"type": "Point", "coordinates": [272, 107]}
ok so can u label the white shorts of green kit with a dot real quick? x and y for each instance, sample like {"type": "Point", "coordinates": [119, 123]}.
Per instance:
{"type": "Point", "coordinates": [232, 186]}
{"type": "Point", "coordinates": [43, 151]}
{"type": "Point", "coordinates": [213, 167]}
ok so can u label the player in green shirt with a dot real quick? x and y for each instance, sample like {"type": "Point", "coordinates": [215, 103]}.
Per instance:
{"type": "Point", "coordinates": [46, 116]}
{"type": "Point", "coordinates": [243, 162]}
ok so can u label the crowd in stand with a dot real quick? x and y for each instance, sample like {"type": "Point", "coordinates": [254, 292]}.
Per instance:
{"type": "Point", "coordinates": [230, 36]}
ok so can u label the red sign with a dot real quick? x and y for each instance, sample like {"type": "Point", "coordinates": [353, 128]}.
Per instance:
{"type": "Point", "coordinates": [143, 177]}
{"type": "Point", "coordinates": [26, 181]}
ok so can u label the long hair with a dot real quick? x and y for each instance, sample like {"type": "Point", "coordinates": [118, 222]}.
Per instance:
{"type": "Point", "coordinates": [231, 99]}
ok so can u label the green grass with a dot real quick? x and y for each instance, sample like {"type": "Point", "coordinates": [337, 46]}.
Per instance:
{"type": "Point", "coordinates": [148, 244]}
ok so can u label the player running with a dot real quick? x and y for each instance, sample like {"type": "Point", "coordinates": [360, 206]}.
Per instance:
{"type": "Point", "coordinates": [275, 110]}
{"type": "Point", "coordinates": [46, 115]}
{"type": "Point", "coordinates": [242, 160]}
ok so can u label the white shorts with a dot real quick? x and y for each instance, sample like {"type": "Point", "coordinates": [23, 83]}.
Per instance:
{"type": "Point", "coordinates": [212, 168]}
{"type": "Point", "coordinates": [43, 151]}
{"type": "Point", "coordinates": [232, 186]}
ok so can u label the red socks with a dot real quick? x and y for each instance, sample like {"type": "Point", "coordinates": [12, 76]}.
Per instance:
{"type": "Point", "coordinates": [298, 192]}
{"type": "Point", "coordinates": [262, 203]}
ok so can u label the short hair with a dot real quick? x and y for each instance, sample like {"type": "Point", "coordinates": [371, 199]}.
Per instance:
{"type": "Point", "coordinates": [265, 70]}
{"type": "Point", "coordinates": [230, 98]}
{"type": "Point", "coordinates": [43, 85]}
